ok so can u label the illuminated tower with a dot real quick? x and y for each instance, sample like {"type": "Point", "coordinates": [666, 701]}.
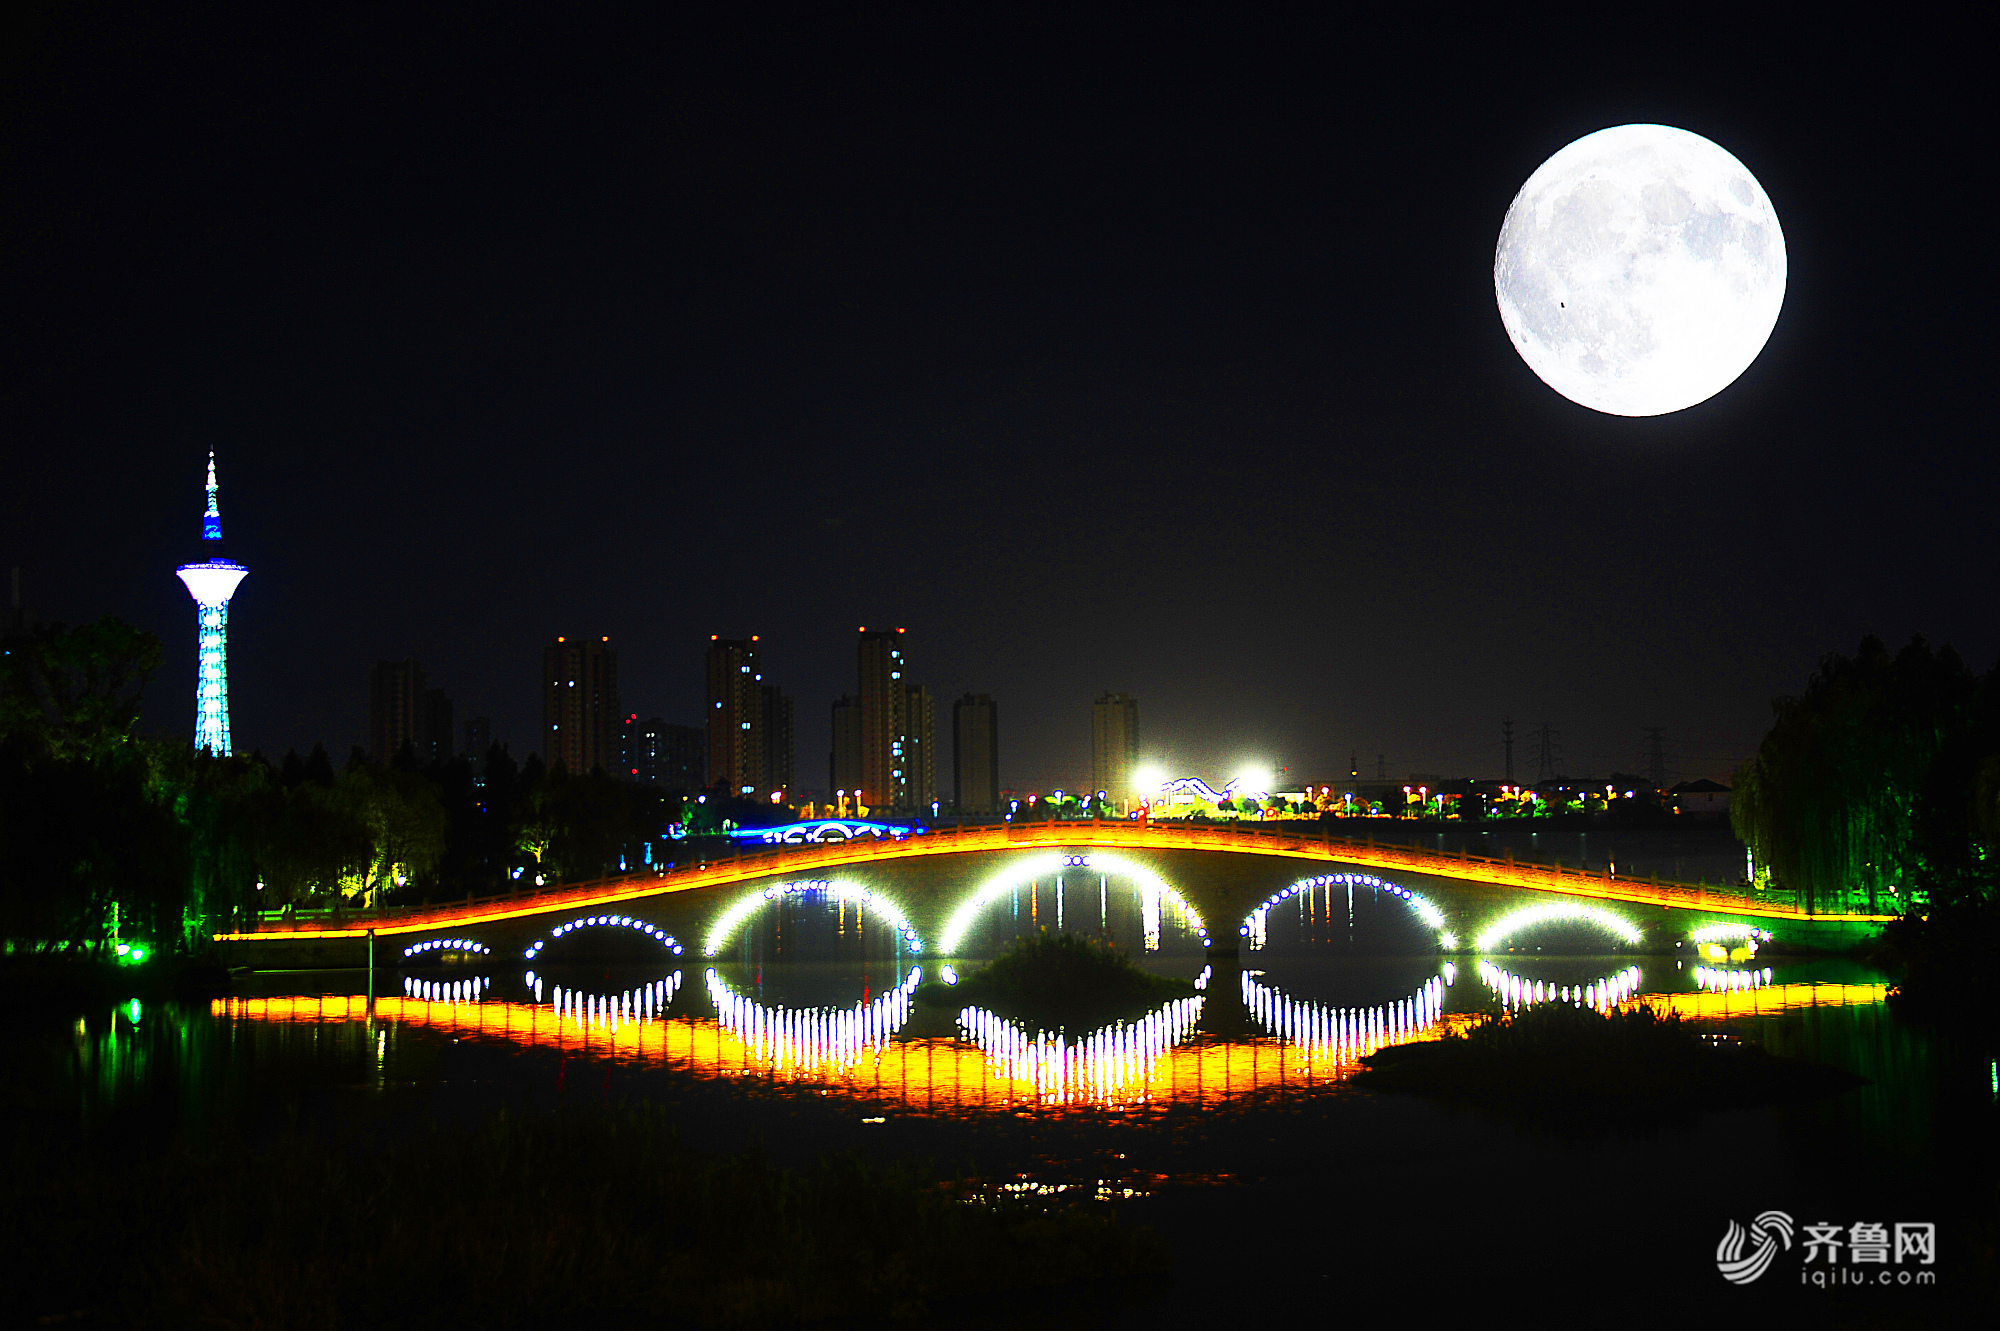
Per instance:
{"type": "Point", "coordinates": [212, 582]}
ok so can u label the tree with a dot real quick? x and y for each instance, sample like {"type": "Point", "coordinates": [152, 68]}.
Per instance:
{"type": "Point", "coordinates": [405, 822]}
{"type": "Point", "coordinates": [76, 691]}
{"type": "Point", "coordinates": [1866, 791]}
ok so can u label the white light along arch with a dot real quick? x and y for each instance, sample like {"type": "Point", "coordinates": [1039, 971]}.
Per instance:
{"type": "Point", "coordinates": [1032, 867]}
{"type": "Point", "coordinates": [1253, 927]}
{"type": "Point", "coordinates": [746, 906]}
{"type": "Point", "coordinates": [466, 946]}
{"type": "Point", "coordinates": [652, 931]}
{"type": "Point", "coordinates": [1553, 913]}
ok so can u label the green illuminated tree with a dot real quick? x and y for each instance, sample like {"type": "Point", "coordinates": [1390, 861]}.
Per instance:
{"type": "Point", "coordinates": [1866, 792]}
{"type": "Point", "coordinates": [90, 831]}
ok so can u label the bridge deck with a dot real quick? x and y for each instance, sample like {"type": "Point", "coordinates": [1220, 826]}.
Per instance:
{"type": "Point", "coordinates": [797, 860]}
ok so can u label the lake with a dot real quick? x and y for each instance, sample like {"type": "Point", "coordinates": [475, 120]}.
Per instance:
{"type": "Point", "coordinates": [1229, 1121]}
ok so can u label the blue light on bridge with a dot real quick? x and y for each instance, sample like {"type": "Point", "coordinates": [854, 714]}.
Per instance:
{"type": "Point", "coordinates": [824, 830]}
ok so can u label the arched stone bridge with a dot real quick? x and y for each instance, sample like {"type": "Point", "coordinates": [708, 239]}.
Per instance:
{"type": "Point", "coordinates": [1223, 872]}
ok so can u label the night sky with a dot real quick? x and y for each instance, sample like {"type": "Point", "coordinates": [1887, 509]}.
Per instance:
{"type": "Point", "coordinates": [1142, 355]}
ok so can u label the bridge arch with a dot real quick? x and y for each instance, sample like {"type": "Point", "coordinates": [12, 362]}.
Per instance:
{"type": "Point", "coordinates": [1031, 867]}
{"type": "Point", "coordinates": [750, 903]}
{"type": "Point", "coordinates": [1421, 906]}
{"type": "Point", "coordinates": [1529, 917]}
{"type": "Point", "coordinates": [652, 931]}
{"type": "Point", "coordinates": [436, 949]}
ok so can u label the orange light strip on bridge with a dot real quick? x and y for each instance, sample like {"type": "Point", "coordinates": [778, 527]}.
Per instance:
{"type": "Point", "coordinates": [1015, 836]}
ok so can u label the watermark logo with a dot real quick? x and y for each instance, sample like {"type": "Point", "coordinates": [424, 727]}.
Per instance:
{"type": "Point", "coordinates": [1744, 1255]}
{"type": "Point", "coordinates": [1768, 1234]}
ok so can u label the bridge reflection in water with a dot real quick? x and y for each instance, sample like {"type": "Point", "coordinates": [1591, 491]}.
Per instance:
{"type": "Point", "coordinates": [814, 1041]}
{"type": "Point", "coordinates": [1112, 1066]}
{"type": "Point", "coordinates": [1337, 1039]}
{"type": "Point", "coordinates": [1157, 1063]}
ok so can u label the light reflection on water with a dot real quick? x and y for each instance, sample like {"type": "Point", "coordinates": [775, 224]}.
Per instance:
{"type": "Point", "coordinates": [1326, 1038]}
{"type": "Point", "coordinates": [1721, 981]}
{"type": "Point", "coordinates": [1109, 1066]}
{"type": "Point", "coordinates": [642, 1004]}
{"type": "Point", "coordinates": [447, 991]}
{"type": "Point", "coordinates": [808, 1041]}
{"type": "Point", "coordinates": [870, 1050]}
{"type": "Point", "coordinates": [1604, 993]}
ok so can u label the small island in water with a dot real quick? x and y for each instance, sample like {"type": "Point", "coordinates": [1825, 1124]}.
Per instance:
{"type": "Point", "coordinates": [1059, 982]}
{"type": "Point", "coordinates": [1629, 1058]}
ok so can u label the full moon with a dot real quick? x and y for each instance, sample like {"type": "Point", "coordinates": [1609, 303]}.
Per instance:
{"type": "Point", "coordinates": [1640, 270]}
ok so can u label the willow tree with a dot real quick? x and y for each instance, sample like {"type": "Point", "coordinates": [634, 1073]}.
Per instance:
{"type": "Point", "coordinates": [1853, 796]}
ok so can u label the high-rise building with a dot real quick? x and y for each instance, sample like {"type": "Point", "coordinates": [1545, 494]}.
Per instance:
{"type": "Point", "coordinates": [655, 753]}
{"type": "Point", "coordinates": [580, 704]}
{"type": "Point", "coordinates": [478, 739]}
{"type": "Point", "coordinates": [680, 757]}
{"type": "Point", "coordinates": [1114, 745]}
{"type": "Point", "coordinates": [844, 763]}
{"type": "Point", "coordinates": [629, 747]}
{"type": "Point", "coordinates": [397, 714]}
{"type": "Point", "coordinates": [211, 583]}
{"type": "Point", "coordinates": [894, 725]}
{"type": "Point", "coordinates": [735, 715]}
{"type": "Point", "coordinates": [975, 754]}
{"type": "Point", "coordinates": [402, 711]}
{"type": "Point", "coordinates": [879, 723]}
{"type": "Point", "coordinates": [779, 749]}
{"type": "Point", "coordinates": [435, 746]}
{"type": "Point", "coordinates": [919, 750]}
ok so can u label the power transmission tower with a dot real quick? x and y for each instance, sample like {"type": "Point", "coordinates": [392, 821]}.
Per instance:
{"type": "Point", "coordinates": [1548, 753]}
{"type": "Point", "coordinates": [1507, 739]}
{"type": "Point", "coordinates": [1656, 756]}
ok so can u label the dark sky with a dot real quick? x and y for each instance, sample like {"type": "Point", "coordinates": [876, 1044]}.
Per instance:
{"type": "Point", "coordinates": [1150, 355]}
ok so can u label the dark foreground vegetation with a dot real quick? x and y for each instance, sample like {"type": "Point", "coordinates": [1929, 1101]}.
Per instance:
{"type": "Point", "coordinates": [547, 1221]}
{"type": "Point", "coordinates": [1559, 1055]}
{"type": "Point", "coordinates": [1059, 982]}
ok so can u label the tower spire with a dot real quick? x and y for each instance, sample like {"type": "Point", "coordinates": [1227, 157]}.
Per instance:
{"type": "Point", "coordinates": [211, 521]}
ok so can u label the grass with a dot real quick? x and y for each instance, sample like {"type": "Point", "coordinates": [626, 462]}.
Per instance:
{"type": "Point", "coordinates": [1059, 982]}
{"type": "Point", "coordinates": [1633, 1057]}
{"type": "Point", "coordinates": [601, 1221]}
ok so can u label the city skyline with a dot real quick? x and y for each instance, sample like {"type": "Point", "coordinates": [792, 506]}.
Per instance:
{"type": "Point", "coordinates": [760, 761]}
{"type": "Point", "coordinates": [1212, 408]}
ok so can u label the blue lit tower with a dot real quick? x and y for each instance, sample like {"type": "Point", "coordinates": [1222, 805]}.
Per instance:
{"type": "Point", "coordinates": [212, 582]}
